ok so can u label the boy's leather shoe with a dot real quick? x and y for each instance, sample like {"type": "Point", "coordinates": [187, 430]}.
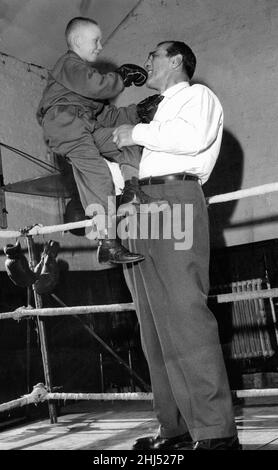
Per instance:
{"type": "Point", "coordinates": [112, 251]}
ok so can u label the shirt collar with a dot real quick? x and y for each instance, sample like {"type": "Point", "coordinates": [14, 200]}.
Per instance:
{"type": "Point", "coordinates": [175, 89]}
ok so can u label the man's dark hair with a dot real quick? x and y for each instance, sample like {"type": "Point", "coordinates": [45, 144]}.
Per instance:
{"type": "Point", "coordinates": [74, 24]}
{"type": "Point", "coordinates": [188, 56]}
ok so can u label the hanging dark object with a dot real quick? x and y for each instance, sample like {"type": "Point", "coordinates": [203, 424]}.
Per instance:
{"type": "Point", "coordinates": [47, 269]}
{"type": "Point", "coordinates": [17, 266]}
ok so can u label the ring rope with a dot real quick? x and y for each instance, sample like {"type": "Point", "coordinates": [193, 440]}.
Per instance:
{"type": "Point", "coordinates": [39, 230]}
{"type": "Point", "coordinates": [110, 308]}
{"type": "Point", "coordinates": [242, 193]}
{"type": "Point", "coordinates": [249, 295]}
{"type": "Point", "coordinates": [28, 156]}
{"type": "Point", "coordinates": [40, 394]}
{"type": "Point", "coordinates": [52, 312]}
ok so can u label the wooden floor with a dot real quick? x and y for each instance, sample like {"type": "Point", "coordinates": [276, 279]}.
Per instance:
{"type": "Point", "coordinates": [115, 426]}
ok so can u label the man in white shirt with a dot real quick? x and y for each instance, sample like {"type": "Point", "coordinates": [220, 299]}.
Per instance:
{"type": "Point", "coordinates": [192, 398]}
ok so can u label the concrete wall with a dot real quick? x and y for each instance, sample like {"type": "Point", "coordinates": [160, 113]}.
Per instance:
{"type": "Point", "coordinates": [235, 43]}
{"type": "Point", "coordinates": [34, 29]}
{"type": "Point", "coordinates": [236, 47]}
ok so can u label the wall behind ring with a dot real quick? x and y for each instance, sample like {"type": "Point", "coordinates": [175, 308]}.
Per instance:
{"type": "Point", "coordinates": [236, 48]}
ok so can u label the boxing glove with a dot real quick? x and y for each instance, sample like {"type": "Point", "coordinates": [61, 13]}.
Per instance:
{"type": "Point", "coordinates": [17, 266]}
{"type": "Point", "coordinates": [147, 108]}
{"type": "Point", "coordinates": [47, 270]}
{"type": "Point", "coordinates": [132, 74]}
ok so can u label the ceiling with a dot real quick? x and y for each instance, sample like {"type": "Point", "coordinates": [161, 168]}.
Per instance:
{"type": "Point", "coordinates": [33, 30]}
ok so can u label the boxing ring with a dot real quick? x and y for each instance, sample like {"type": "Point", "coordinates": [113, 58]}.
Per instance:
{"type": "Point", "coordinates": [43, 392]}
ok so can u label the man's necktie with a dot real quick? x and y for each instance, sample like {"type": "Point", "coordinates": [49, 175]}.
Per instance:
{"type": "Point", "coordinates": [147, 108]}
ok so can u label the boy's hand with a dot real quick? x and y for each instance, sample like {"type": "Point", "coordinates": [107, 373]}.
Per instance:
{"type": "Point", "coordinates": [132, 74]}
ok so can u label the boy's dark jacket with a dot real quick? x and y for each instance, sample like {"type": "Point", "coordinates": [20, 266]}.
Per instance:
{"type": "Point", "coordinates": [74, 81]}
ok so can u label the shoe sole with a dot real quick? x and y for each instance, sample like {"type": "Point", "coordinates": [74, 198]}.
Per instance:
{"type": "Point", "coordinates": [128, 262]}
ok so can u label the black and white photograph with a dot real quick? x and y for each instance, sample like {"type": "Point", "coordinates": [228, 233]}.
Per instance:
{"type": "Point", "coordinates": [138, 228]}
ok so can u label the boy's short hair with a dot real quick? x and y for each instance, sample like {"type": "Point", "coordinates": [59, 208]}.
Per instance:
{"type": "Point", "coordinates": [74, 24]}
{"type": "Point", "coordinates": [188, 56]}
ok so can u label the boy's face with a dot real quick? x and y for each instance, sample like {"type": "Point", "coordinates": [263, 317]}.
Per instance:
{"type": "Point", "coordinates": [88, 43]}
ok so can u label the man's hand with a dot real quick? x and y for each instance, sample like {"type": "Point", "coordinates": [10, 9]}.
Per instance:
{"type": "Point", "coordinates": [123, 136]}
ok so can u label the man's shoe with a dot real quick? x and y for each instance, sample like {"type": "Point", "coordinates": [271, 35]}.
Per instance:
{"type": "Point", "coordinates": [183, 441]}
{"type": "Point", "coordinates": [133, 194]}
{"type": "Point", "coordinates": [227, 443]}
{"type": "Point", "coordinates": [112, 251]}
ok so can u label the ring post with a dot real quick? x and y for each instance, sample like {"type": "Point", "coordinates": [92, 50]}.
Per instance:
{"type": "Point", "coordinates": [42, 333]}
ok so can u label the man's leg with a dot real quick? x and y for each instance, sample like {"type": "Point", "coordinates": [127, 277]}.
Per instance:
{"type": "Point", "coordinates": [170, 420]}
{"type": "Point", "coordinates": [176, 284]}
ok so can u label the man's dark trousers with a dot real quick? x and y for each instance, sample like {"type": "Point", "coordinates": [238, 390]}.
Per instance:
{"type": "Point", "coordinates": [179, 333]}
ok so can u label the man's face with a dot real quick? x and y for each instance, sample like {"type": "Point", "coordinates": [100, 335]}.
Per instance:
{"type": "Point", "coordinates": [158, 68]}
{"type": "Point", "coordinates": [88, 44]}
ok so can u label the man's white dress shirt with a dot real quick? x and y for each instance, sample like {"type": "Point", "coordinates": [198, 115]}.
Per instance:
{"type": "Point", "coordinates": [185, 134]}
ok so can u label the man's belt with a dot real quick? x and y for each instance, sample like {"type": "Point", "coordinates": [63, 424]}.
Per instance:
{"type": "Point", "coordinates": [166, 178]}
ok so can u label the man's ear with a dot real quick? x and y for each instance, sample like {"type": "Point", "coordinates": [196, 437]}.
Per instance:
{"type": "Point", "coordinates": [176, 61]}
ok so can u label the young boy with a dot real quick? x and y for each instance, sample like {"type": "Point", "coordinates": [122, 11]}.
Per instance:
{"type": "Point", "coordinates": [78, 121]}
